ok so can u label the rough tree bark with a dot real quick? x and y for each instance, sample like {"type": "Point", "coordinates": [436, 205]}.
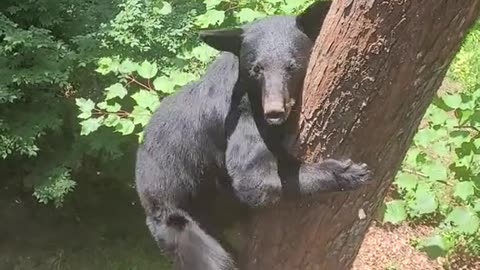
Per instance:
{"type": "Point", "coordinates": [374, 70]}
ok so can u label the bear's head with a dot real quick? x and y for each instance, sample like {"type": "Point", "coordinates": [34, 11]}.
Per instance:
{"type": "Point", "coordinates": [273, 53]}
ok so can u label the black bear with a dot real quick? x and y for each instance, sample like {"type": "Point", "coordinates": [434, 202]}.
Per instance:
{"type": "Point", "coordinates": [227, 130]}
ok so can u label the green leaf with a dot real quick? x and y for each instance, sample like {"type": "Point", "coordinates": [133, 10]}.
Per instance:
{"type": "Point", "coordinates": [147, 70]}
{"type": "Point", "coordinates": [435, 171]}
{"type": "Point", "coordinates": [125, 126]}
{"type": "Point", "coordinates": [102, 105]}
{"type": "Point", "coordinates": [475, 117]}
{"type": "Point", "coordinates": [211, 17]}
{"type": "Point", "coordinates": [441, 148]}
{"type": "Point", "coordinates": [476, 142]}
{"type": "Point", "coordinates": [465, 220]}
{"type": "Point", "coordinates": [435, 246]}
{"type": "Point", "coordinates": [90, 125]}
{"type": "Point", "coordinates": [109, 108]}
{"type": "Point", "coordinates": [395, 212]}
{"type": "Point", "coordinates": [140, 115]}
{"type": "Point", "coordinates": [86, 106]}
{"type": "Point", "coordinates": [412, 156]}
{"type": "Point", "coordinates": [127, 66]}
{"type": "Point", "coordinates": [181, 78]}
{"type": "Point", "coordinates": [116, 90]}
{"type": "Point", "coordinates": [450, 124]}
{"type": "Point", "coordinates": [452, 101]}
{"type": "Point", "coordinates": [113, 108]}
{"type": "Point", "coordinates": [203, 53]}
{"type": "Point", "coordinates": [424, 137]}
{"type": "Point", "coordinates": [438, 116]}
{"type": "Point", "coordinates": [458, 137]}
{"type": "Point", "coordinates": [103, 65]}
{"type": "Point", "coordinates": [164, 84]}
{"type": "Point", "coordinates": [406, 181]}
{"type": "Point", "coordinates": [107, 65]}
{"type": "Point", "coordinates": [146, 99]}
{"type": "Point", "coordinates": [212, 3]}
{"type": "Point", "coordinates": [464, 160]}
{"type": "Point", "coordinates": [164, 10]}
{"type": "Point", "coordinates": [464, 190]}
{"type": "Point", "coordinates": [248, 15]}
{"type": "Point", "coordinates": [111, 120]}
{"type": "Point", "coordinates": [425, 202]}
{"type": "Point", "coordinates": [466, 114]}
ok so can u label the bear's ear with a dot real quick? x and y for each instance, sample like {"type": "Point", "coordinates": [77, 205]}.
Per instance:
{"type": "Point", "coordinates": [311, 20]}
{"type": "Point", "coordinates": [228, 40]}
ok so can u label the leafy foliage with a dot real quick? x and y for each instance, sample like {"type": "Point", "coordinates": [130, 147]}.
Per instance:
{"type": "Point", "coordinates": [59, 183]}
{"type": "Point", "coordinates": [39, 71]}
{"type": "Point", "coordinates": [439, 180]}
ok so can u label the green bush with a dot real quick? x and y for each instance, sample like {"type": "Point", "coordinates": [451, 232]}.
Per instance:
{"type": "Point", "coordinates": [42, 68]}
{"type": "Point", "coordinates": [440, 178]}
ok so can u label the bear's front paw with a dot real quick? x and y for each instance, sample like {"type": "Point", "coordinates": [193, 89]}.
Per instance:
{"type": "Point", "coordinates": [349, 175]}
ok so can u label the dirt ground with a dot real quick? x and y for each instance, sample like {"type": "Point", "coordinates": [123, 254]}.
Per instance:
{"type": "Point", "coordinates": [391, 249]}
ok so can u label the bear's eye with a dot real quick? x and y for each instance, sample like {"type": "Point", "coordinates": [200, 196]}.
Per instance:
{"type": "Point", "coordinates": [291, 67]}
{"type": "Point", "coordinates": [257, 69]}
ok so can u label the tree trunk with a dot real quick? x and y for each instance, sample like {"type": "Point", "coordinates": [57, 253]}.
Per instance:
{"type": "Point", "coordinates": [374, 70]}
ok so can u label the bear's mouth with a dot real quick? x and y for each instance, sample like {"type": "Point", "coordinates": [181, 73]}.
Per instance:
{"type": "Point", "coordinates": [275, 118]}
{"type": "Point", "coordinates": [278, 117]}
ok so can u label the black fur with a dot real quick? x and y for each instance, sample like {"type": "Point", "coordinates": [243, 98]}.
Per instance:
{"type": "Point", "coordinates": [226, 130]}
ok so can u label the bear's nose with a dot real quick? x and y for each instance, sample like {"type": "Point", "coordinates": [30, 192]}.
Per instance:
{"type": "Point", "coordinates": [274, 113]}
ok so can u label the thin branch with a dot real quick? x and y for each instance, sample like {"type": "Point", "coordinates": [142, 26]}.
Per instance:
{"type": "Point", "coordinates": [132, 79]}
{"type": "Point", "coordinates": [468, 127]}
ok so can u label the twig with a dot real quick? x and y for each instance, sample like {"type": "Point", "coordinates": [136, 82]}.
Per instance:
{"type": "Point", "coordinates": [132, 79]}
{"type": "Point", "coordinates": [468, 127]}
